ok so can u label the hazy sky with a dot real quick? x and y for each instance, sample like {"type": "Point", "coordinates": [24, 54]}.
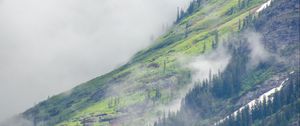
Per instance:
{"type": "Point", "coordinates": [49, 46]}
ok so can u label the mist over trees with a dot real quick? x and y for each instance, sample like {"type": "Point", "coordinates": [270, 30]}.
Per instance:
{"type": "Point", "coordinates": [208, 69]}
{"type": "Point", "coordinates": [203, 101]}
{"type": "Point", "coordinates": [210, 97]}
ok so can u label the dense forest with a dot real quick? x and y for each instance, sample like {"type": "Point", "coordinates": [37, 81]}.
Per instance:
{"type": "Point", "coordinates": [206, 102]}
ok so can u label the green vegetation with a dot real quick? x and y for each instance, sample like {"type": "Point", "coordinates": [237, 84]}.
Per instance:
{"type": "Point", "coordinates": [213, 99]}
{"type": "Point", "coordinates": [154, 76]}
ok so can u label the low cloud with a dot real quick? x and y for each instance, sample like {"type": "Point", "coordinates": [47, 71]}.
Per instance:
{"type": "Point", "coordinates": [17, 121]}
{"type": "Point", "coordinates": [212, 62]}
{"type": "Point", "coordinates": [258, 53]}
{"type": "Point", "coordinates": [47, 47]}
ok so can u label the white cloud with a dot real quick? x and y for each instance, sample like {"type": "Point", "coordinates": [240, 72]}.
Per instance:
{"type": "Point", "coordinates": [213, 62]}
{"type": "Point", "coordinates": [49, 46]}
{"type": "Point", "coordinates": [258, 52]}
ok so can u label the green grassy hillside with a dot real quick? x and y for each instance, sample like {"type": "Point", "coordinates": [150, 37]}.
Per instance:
{"type": "Point", "coordinates": [137, 92]}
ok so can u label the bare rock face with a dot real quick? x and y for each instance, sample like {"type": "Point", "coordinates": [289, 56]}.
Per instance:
{"type": "Point", "coordinates": [280, 26]}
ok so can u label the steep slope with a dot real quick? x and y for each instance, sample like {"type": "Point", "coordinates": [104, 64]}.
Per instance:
{"type": "Point", "coordinates": [156, 79]}
{"type": "Point", "coordinates": [266, 95]}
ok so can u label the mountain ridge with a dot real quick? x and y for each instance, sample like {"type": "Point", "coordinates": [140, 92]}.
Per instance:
{"type": "Point", "coordinates": [148, 80]}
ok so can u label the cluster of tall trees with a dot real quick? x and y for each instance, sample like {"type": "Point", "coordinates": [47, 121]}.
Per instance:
{"type": "Point", "coordinates": [242, 4]}
{"type": "Point", "coordinates": [201, 101]}
{"type": "Point", "coordinates": [247, 22]}
{"type": "Point", "coordinates": [220, 86]}
{"type": "Point", "coordinates": [278, 110]}
{"type": "Point", "coordinates": [228, 83]}
{"type": "Point", "coordinates": [207, 98]}
{"type": "Point", "coordinates": [193, 7]}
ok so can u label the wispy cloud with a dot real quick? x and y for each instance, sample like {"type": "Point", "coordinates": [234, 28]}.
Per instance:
{"type": "Point", "coordinates": [258, 53]}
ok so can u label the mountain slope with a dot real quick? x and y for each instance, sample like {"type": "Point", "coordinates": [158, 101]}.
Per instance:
{"type": "Point", "coordinates": [157, 78]}
{"type": "Point", "coordinates": [255, 102]}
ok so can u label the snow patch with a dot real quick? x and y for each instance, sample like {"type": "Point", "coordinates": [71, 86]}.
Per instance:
{"type": "Point", "coordinates": [264, 6]}
{"type": "Point", "coordinates": [267, 95]}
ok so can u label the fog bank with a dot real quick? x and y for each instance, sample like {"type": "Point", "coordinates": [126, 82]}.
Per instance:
{"type": "Point", "coordinates": [49, 46]}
